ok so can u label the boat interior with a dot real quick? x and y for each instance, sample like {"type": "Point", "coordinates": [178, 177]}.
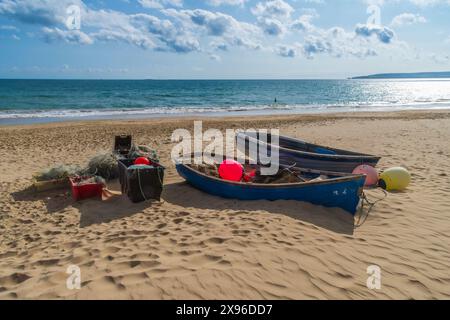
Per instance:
{"type": "Point", "coordinates": [298, 145]}
{"type": "Point", "coordinates": [285, 175]}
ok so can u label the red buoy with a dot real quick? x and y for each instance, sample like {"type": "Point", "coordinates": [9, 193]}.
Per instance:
{"type": "Point", "coordinates": [231, 170]}
{"type": "Point", "coordinates": [142, 161]}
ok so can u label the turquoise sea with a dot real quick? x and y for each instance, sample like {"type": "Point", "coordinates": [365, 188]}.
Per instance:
{"type": "Point", "coordinates": [29, 101]}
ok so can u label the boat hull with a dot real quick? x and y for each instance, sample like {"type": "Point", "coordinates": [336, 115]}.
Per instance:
{"type": "Point", "coordinates": [318, 162]}
{"type": "Point", "coordinates": [341, 193]}
{"type": "Point", "coordinates": [293, 152]}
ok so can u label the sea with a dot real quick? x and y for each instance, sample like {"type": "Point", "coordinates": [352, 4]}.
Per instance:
{"type": "Point", "coordinates": [40, 101]}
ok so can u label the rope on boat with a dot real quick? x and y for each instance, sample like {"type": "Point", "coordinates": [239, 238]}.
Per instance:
{"type": "Point", "coordinates": [288, 169]}
{"type": "Point", "coordinates": [363, 217]}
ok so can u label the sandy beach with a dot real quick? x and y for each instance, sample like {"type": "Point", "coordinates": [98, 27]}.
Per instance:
{"type": "Point", "coordinates": [195, 246]}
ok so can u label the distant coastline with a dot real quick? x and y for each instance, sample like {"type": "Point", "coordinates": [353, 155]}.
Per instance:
{"type": "Point", "coordinates": [416, 75]}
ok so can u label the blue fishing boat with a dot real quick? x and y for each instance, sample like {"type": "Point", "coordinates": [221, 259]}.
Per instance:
{"type": "Point", "coordinates": [294, 152]}
{"type": "Point", "coordinates": [329, 189]}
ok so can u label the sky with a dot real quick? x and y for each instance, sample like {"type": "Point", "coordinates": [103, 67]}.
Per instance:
{"type": "Point", "coordinates": [221, 39]}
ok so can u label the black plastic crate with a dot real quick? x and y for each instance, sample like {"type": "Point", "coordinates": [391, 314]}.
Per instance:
{"type": "Point", "coordinates": [122, 145]}
{"type": "Point", "coordinates": [143, 183]}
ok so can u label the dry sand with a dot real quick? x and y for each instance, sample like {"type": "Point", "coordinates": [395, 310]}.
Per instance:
{"type": "Point", "coordinates": [195, 246]}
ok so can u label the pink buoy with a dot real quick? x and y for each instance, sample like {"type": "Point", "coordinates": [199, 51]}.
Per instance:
{"type": "Point", "coordinates": [370, 172]}
{"type": "Point", "coordinates": [231, 170]}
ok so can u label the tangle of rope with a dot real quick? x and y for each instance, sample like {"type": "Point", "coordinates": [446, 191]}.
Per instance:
{"type": "Point", "coordinates": [371, 206]}
{"type": "Point", "coordinates": [288, 169]}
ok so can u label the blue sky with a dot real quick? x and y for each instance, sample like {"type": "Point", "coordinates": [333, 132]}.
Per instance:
{"type": "Point", "coordinates": [166, 39]}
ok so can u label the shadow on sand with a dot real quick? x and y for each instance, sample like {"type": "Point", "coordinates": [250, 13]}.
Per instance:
{"type": "Point", "coordinates": [335, 220]}
{"type": "Point", "coordinates": [182, 194]}
{"type": "Point", "coordinates": [54, 200]}
{"type": "Point", "coordinates": [92, 211]}
{"type": "Point", "coordinates": [115, 208]}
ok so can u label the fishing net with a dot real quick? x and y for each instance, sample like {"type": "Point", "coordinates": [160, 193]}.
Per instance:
{"type": "Point", "coordinates": [281, 177]}
{"type": "Point", "coordinates": [58, 172]}
{"type": "Point", "coordinates": [207, 169]}
{"type": "Point", "coordinates": [104, 165]}
{"type": "Point", "coordinates": [91, 180]}
{"type": "Point", "coordinates": [137, 151]}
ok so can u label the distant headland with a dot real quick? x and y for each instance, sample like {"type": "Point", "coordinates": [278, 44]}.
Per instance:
{"type": "Point", "coordinates": [420, 75]}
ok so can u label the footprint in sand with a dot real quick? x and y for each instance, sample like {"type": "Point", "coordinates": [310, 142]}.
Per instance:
{"type": "Point", "coordinates": [48, 262]}
{"type": "Point", "coordinates": [213, 258]}
{"type": "Point", "coordinates": [216, 240]}
{"type": "Point", "coordinates": [241, 232]}
{"type": "Point", "coordinates": [178, 220]}
{"type": "Point", "coordinates": [16, 278]}
{"type": "Point", "coordinates": [134, 263]}
{"type": "Point", "coordinates": [183, 214]}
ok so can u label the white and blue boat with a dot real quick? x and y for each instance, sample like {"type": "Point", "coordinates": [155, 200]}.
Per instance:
{"type": "Point", "coordinates": [295, 152]}
{"type": "Point", "coordinates": [329, 189]}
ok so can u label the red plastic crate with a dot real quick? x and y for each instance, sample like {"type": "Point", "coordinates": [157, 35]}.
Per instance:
{"type": "Point", "coordinates": [85, 191]}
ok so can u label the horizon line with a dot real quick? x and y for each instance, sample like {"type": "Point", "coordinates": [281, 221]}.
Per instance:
{"type": "Point", "coordinates": [359, 78]}
{"type": "Point", "coordinates": [173, 79]}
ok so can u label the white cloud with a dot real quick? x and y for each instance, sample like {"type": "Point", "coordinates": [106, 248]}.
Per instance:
{"type": "Point", "coordinates": [198, 30]}
{"type": "Point", "coordinates": [425, 3]}
{"type": "Point", "coordinates": [218, 3]}
{"type": "Point", "coordinates": [406, 19]}
{"type": "Point", "coordinates": [419, 3]}
{"type": "Point", "coordinates": [144, 31]}
{"type": "Point", "coordinates": [69, 36]}
{"type": "Point", "coordinates": [272, 27]}
{"type": "Point", "coordinates": [273, 16]}
{"type": "Point", "coordinates": [160, 4]}
{"type": "Point", "coordinates": [364, 41]}
{"type": "Point", "coordinates": [42, 12]}
{"type": "Point", "coordinates": [273, 9]}
{"type": "Point", "coordinates": [315, 1]}
{"type": "Point", "coordinates": [8, 28]}
{"type": "Point", "coordinates": [303, 23]}
{"type": "Point", "coordinates": [217, 25]}
{"type": "Point", "coordinates": [287, 51]}
{"type": "Point", "coordinates": [384, 34]}
{"type": "Point", "coordinates": [173, 38]}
